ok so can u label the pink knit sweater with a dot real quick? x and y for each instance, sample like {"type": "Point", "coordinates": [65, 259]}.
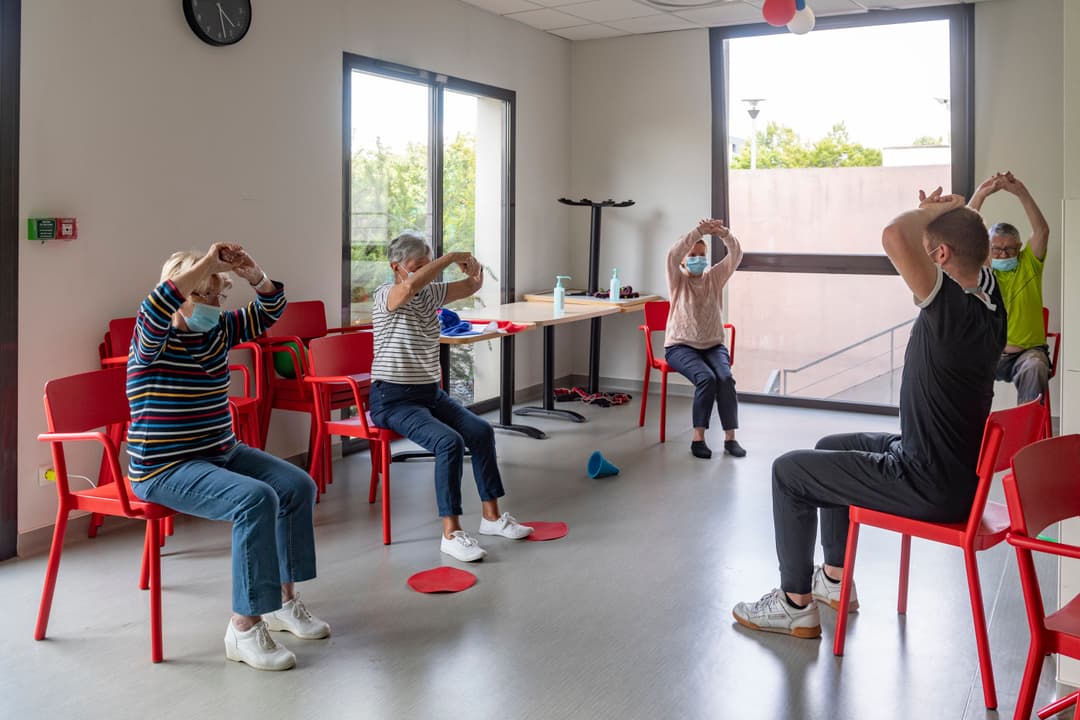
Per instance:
{"type": "Point", "coordinates": [696, 317]}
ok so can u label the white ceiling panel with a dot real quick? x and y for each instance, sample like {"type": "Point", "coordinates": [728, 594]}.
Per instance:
{"type": "Point", "coordinates": [663, 22]}
{"type": "Point", "coordinates": [547, 19]}
{"type": "Point", "coordinates": [594, 31]}
{"type": "Point", "coordinates": [736, 13]}
{"type": "Point", "coordinates": [605, 10]}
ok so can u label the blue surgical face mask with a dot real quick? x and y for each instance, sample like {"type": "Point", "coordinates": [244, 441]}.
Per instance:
{"type": "Point", "coordinates": [204, 318]}
{"type": "Point", "coordinates": [1004, 264]}
{"type": "Point", "coordinates": [696, 264]}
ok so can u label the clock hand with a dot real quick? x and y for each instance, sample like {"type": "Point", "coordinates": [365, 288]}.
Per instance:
{"type": "Point", "coordinates": [221, 18]}
{"type": "Point", "coordinates": [225, 15]}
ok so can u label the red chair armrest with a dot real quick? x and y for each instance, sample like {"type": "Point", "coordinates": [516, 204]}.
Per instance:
{"type": "Point", "coordinates": [350, 328]}
{"type": "Point", "coordinates": [112, 457]}
{"type": "Point", "coordinates": [319, 381]}
{"type": "Point", "coordinates": [1044, 546]}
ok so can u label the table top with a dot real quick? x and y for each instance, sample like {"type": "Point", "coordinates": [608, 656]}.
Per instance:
{"type": "Point", "coordinates": [539, 314]}
{"type": "Point", "coordinates": [481, 337]}
{"type": "Point", "coordinates": [623, 305]}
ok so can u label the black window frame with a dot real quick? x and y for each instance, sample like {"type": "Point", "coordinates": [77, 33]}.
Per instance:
{"type": "Point", "coordinates": [962, 107]}
{"type": "Point", "coordinates": [437, 83]}
{"type": "Point", "coordinates": [10, 41]}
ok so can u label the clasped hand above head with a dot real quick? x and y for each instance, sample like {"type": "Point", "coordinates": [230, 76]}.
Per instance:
{"type": "Point", "coordinates": [711, 226]}
{"type": "Point", "coordinates": [938, 203]}
{"type": "Point", "coordinates": [230, 257]}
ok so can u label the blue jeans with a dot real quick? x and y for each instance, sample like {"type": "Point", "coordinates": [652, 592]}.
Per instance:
{"type": "Point", "coordinates": [710, 371]}
{"type": "Point", "coordinates": [436, 422]}
{"type": "Point", "coordinates": [270, 504]}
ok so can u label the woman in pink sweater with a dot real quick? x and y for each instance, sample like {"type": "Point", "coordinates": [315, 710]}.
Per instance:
{"type": "Point", "coordinates": [694, 343]}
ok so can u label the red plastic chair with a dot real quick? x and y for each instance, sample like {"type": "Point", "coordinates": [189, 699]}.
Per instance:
{"type": "Point", "coordinates": [656, 315]}
{"type": "Point", "coordinates": [75, 408]}
{"type": "Point", "coordinates": [247, 422]}
{"type": "Point", "coordinates": [1006, 432]}
{"type": "Point", "coordinates": [345, 360]}
{"type": "Point", "coordinates": [301, 323]}
{"type": "Point", "coordinates": [1040, 492]}
{"type": "Point", "coordinates": [1056, 336]}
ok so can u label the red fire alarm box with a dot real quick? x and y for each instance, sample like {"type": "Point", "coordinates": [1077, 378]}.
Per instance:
{"type": "Point", "coordinates": [67, 228]}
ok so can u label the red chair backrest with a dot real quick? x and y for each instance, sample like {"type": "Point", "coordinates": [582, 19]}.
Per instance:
{"type": "Point", "coordinates": [119, 337]}
{"type": "Point", "coordinates": [88, 401]}
{"type": "Point", "coordinates": [305, 319]}
{"type": "Point", "coordinates": [1046, 475]}
{"type": "Point", "coordinates": [348, 354]}
{"type": "Point", "coordinates": [1005, 433]}
{"type": "Point", "coordinates": [656, 314]}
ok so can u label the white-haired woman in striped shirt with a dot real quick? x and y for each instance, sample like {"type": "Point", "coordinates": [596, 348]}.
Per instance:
{"type": "Point", "coordinates": [406, 396]}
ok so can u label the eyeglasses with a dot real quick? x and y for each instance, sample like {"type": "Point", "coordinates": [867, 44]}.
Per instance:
{"type": "Point", "coordinates": [1004, 250]}
{"type": "Point", "coordinates": [210, 298]}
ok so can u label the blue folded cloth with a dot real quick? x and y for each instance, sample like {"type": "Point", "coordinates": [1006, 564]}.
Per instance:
{"type": "Point", "coordinates": [452, 324]}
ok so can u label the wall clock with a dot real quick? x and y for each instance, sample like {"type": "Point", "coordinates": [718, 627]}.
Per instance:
{"type": "Point", "coordinates": [218, 22]}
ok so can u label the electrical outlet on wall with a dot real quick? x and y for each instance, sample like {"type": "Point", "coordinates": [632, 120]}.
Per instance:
{"type": "Point", "coordinates": [46, 475]}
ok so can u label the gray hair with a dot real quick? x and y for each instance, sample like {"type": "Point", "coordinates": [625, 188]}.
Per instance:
{"type": "Point", "coordinates": [408, 245]}
{"type": "Point", "coordinates": [1004, 228]}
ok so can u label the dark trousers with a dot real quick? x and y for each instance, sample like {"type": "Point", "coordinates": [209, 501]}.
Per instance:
{"type": "Point", "coordinates": [1029, 370]}
{"type": "Point", "coordinates": [710, 371]}
{"type": "Point", "coordinates": [436, 422]}
{"type": "Point", "coordinates": [864, 469]}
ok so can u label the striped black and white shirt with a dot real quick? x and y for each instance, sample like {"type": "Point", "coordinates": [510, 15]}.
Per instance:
{"type": "Point", "coordinates": [407, 339]}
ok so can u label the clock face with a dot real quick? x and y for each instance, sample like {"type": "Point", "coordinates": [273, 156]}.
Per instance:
{"type": "Point", "coordinates": [218, 22]}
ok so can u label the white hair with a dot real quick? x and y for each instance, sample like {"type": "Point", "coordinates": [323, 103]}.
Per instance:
{"type": "Point", "coordinates": [408, 245]}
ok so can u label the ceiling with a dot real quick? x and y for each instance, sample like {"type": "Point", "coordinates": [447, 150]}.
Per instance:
{"type": "Point", "coordinates": [592, 19]}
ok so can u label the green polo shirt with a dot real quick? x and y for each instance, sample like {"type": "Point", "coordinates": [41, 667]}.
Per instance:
{"type": "Point", "coordinates": [1021, 288]}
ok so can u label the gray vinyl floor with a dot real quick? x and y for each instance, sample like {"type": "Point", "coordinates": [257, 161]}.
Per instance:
{"type": "Point", "coordinates": [627, 617]}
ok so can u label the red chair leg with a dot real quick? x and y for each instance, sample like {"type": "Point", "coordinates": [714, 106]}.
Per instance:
{"type": "Point", "coordinates": [144, 573]}
{"type": "Point", "coordinates": [51, 571]}
{"type": "Point", "coordinates": [156, 651]}
{"type": "Point", "coordinates": [1030, 684]}
{"type": "Point", "coordinates": [663, 405]}
{"type": "Point", "coordinates": [385, 462]}
{"type": "Point", "coordinates": [1053, 708]}
{"type": "Point", "coordinates": [644, 395]}
{"type": "Point", "coordinates": [375, 451]}
{"type": "Point", "coordinates": [982, 641]}
{"type": "Point", "coordinates": [1049, 431]}
{"type": "Point", "coordinates": [845, 587]}
{"type": "Point", "coordinates": [96, 520]}
{"type": "Point", "coordinates": [169, 526]}
{"type": "Point", "coordinates": [905, 565]}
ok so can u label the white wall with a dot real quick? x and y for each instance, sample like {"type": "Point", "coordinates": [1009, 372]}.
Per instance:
{"type": "Point", "coordinates": [641, 130]}
{"type": "Point", "coordinates": [641, 121]}
{"type": "Point", "coordinates": [158, 142]}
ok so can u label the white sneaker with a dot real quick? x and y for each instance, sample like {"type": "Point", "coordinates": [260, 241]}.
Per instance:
{"type": "Point", "coordinates": [773, 613]}
{"type": "Point", "coordinates": [462, 546]}
{"type": "Point", "coordinates": [257, 648]}
{"type": "Point", "coordinates": [506, 525]}
{"type": "Point", "coordinates": [294, 617]}
{"type": "Point", "coordinates": [828, 592]}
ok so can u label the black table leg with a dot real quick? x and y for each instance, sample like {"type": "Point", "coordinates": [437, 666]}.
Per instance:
{"type": "Point", "coordinates": [594, 356]}
{"type": "Point", "coordinates": [506, 394]}
{"type": "Point", "coordinates": [548, 408]}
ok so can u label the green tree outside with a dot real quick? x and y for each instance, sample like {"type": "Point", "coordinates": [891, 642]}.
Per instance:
{"type": "Point", "coordinates": [778, 146]}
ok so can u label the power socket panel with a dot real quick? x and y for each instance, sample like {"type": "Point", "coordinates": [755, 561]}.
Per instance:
{"type": "Point", "coordinates": [46, 476]}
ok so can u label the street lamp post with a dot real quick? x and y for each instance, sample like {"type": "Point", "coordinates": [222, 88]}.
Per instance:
{"type": "Point", "coordinates": [753, 111]}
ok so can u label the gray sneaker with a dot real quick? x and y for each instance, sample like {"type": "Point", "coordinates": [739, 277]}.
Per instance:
{"type": "Point", "coordinates": [772, 613]}
{"type": "Point", "coordinates": [828, 592]}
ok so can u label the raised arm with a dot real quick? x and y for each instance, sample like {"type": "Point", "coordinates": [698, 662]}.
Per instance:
{"type": "Point", "coordinates": [408, 285]}
{"type": "Point", "coordinates": [722, 271]}
{"type": "Point", "coordinates": [680, 249]}
{"type": "Point", "coordinates": [253, 320]}
{"type": "Point", "coordinates": [156, 312]}
{"type": "Point", "coordinates": [1040, 230]}
{"type": "Point", "coordinates": [903, 241]}
{"type": "Point", "coordinates": [464, 288]}
{"type": "Point", "coordinates": [989, 186]}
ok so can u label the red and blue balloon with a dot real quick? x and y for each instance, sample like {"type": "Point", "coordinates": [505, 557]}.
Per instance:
{"type": "Point", "coordinates": [795, 14]}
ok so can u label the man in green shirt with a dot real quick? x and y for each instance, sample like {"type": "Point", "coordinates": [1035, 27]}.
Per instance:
{"type": "Point", "coordinates": [1018, 269]}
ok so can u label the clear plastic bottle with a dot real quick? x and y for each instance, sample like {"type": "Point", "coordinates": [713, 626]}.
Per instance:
{"type": "Point", "coordinates": [560, 295]}
{"type": "Point", "coordinates": [616, 286]}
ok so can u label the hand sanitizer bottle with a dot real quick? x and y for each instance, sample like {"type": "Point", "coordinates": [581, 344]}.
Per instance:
{"type": "Point", "coordinates": [616, 286]}
{"type": "Point", "coordinates": [560, 295]}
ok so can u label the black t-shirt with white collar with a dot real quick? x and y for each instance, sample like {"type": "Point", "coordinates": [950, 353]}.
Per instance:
{"type": "Point", "coordinates": [948, 382]}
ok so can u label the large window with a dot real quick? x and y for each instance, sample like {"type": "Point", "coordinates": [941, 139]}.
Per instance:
{"type": "Point", "coordinates": [429, 153]}
{"type": "Point", "coordinates": [819, 140]}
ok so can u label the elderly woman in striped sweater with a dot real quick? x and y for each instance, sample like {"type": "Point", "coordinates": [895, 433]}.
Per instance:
{"type": "Point", "coordinates": [185, 456]}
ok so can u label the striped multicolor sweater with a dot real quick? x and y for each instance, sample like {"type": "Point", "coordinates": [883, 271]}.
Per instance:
{"type": "Point", "coordinates": [178, 382]}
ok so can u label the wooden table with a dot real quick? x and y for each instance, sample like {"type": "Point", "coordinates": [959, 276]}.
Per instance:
{"type": "Point", "coordinates": [622, 305]}
{"type": "Point", "coordinates": [540, 315]}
